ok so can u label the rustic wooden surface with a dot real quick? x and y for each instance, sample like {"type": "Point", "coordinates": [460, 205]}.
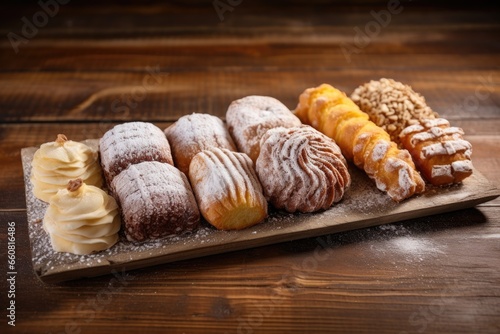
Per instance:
{"type": "Point", "coordinates": [438, 274]}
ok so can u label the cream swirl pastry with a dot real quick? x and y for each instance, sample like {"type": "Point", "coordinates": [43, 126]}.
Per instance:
{"type": "Point", "coordinates": [57, 162]}
{"type": "Point", "coordinates": [301, 169]}
{"type": "Point", "coordinates": [82, 219]}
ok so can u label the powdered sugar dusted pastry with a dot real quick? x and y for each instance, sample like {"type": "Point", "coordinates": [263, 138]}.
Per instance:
{"type": "Point", "coordinates": [56, 163]}
{"type": "Point", "coordinates": [227, 189]}
{"type": "Point", "coordinates": [156, 201]}
{"type": "Point", "coordinates": [194, 133]}
{"type": "Point", "coordinates": [249, 118]}
{"type": "Point", "coordinates": [439, 151]}
{"type": "Point", "coordinates": [131, 143]}
{"type": "Point", "coordinates": [82, 219]}
{"type": "Point", "coordinates": [301, 169]}
{"type": "Point", "coordinates": [392, 105]}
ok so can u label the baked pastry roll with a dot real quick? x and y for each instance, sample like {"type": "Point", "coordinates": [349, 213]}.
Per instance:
{"type": "Point", "coordinates": [249, 118]}
{"type": "Point", "coordinates": [156, 201]}
{"type": "Point", "coordinates": [194, 133]}
{"type": "Point", "coordinates": [227, 189]}
{"type": "Point", "coordinates": [392, 105]}
{"type": "Point", "coordinates": [366, 144]}
{"type": "Point", "coordinates": [301, 169]}
{"type": "Point", "coordinates": [439, 151]}
{"type": "Point", "coordinates": [131, 143]}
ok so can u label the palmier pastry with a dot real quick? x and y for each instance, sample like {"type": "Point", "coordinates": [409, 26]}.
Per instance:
{"type": "Point", "coordinates": [156, 201]}
{"type": "Point", "coordinates": [439, 151]}
{"type": "Point", "coordinates": [369, 146]}
{"type": "Point", "coordinates": [227, 189]}
{"type": "Point", "coordinates": [132, 143]}
{"type": "Point", "coordinates": [392, 105]}
{"type": "Point", "coordinates": [301, 169]}
{"type": "Point", "coordinates": [249, 118]}
{"type": "Point", "coordinates": [194, 133]}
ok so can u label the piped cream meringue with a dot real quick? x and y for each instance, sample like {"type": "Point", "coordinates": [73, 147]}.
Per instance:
{"type": "Point", "coordinates": [57, 162]}
{"type": "Point", "coordinates": [82, 219]}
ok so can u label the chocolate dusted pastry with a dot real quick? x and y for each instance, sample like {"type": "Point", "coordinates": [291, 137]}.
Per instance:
{"type": "Point", "coordinates": [156, 201]}
{"type": "Point", "coordinates": [194, 133]}
{"type": "Point", "coordinates": [249, 118]}
{"type": "Point", "coordinates": [301, 169]}
{"type": "Point", "coordinates": [131, 143]}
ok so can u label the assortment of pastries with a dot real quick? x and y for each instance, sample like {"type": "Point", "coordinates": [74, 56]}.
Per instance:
{"type": "Point", "coordinates": [147, 183]}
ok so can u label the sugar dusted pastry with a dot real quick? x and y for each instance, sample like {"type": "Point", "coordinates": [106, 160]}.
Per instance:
{"type": "Point", "coordinates": [249, 118]}
{"type": "Point", "coordinates": [156, 201]}
{"type": "Point", "coordinates": [132, 143]}
{"type": "Point", "coordinates": [57, 162]}
{"type": "Point", "coordinates": [369, 146]}
{"type": "Point", "coordinates": [82, 219]}
{"type": "Point", "coordinates": [227, 189]}
{"type": "Point", "coordinates": [194, 133]}
{"type": "Point", "coordinates": [392, 105]}
{"type": "Point", "coordinates": [439, 151]}
{"type": "Point", "coordinates": [301, 169]}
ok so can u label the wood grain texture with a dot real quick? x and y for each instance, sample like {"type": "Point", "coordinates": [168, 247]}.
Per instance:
{"type": "Point", "coordinates": [437, 274]}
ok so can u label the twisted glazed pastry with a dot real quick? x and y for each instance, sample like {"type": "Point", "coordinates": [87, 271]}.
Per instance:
{"type": "Point", "coordinates": [369, 146]}
{"type": "Point", "coordinates": [227, 189]}
{"type": "Point", "coordinates": [439, 151]}
{"type": "Point", "coordinates": [301, 169]}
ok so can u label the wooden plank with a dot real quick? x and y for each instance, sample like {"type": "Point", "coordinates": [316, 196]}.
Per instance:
{"type": "Point", "coordinates": [120, 96]}
{"type": "Point", "coordinates": [439, 269]}
{"type": "Point", "coordinates": [362, 206]}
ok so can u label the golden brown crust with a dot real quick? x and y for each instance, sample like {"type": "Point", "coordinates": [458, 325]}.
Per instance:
{"type": "Point", "coordinates": [369, 146]}
{"type": "Point", "coordinates": [439, 151]}
{"type": "Point", "coordinates": [227, 189]}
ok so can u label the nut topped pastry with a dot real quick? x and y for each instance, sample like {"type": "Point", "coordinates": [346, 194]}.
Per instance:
{"type": "Point", "coordinates": [194, 133]}
{"type": "Point", "coordinates": [156, 201]}
{"type": "Point", "coordinates": [392, 105]}
{"type": "Point", "coordinates": [132, 143]}
{"type": "Point", "coordinates": [82, 219]}
{"type": "Point", "coordinates": [55, 163]}
{"type": "Point", "coordinates": [301, 169]}
{"type": "Point", "coordinates": [250, 117]}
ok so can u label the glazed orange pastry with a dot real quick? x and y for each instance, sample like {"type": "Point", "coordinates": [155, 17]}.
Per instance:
{"type": "Point", "coordinates": [362, 141]}
{"type": "Point", "coordinates": [439, 151]}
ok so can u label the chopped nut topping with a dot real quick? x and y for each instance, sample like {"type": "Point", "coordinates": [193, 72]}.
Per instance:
{"type": "Point", "coordinates": [392, 105]}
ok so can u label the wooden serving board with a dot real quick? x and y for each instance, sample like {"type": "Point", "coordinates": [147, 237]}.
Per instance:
{"type": "Point", "coordinates": [362, 206]}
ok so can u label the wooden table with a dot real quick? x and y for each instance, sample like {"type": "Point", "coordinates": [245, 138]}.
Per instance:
{"type": "Point", "coordinates": [90, 66]}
